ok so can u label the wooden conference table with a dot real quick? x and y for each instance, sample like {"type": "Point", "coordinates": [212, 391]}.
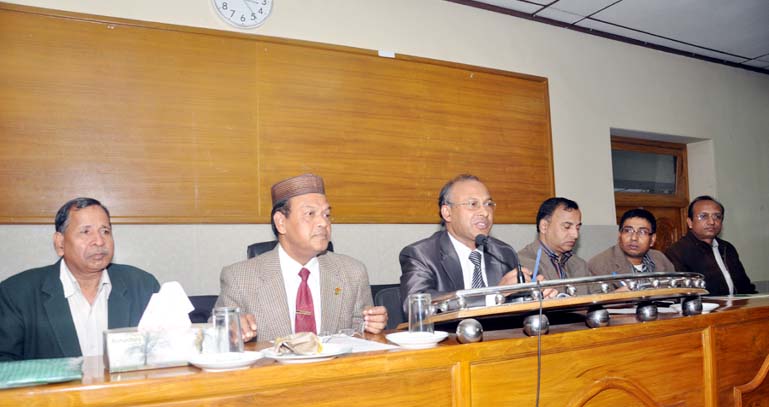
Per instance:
{"type": "Point", "coordinates": [676, 360]}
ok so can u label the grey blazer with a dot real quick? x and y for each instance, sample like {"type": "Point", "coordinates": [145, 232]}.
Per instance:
{"type": "Point", "coordinates": [432, 266]}
{"type": "Point", "coordinates": [256, 286]}
{"type": "Point", "coordinates": [614, 260]}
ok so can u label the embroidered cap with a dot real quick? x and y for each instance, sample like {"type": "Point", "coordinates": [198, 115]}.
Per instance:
{"type": "Point", "coordinates": [295, 186]}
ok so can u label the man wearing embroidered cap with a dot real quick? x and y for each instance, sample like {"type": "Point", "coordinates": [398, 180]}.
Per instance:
{"type": "Point", "coordinates": [300, 286]}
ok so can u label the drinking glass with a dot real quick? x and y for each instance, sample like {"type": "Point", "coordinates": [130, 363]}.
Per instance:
{"type": "Point", "coordinates": [420, 313]}
{"type": "Point", "coordinates": [227, 329]}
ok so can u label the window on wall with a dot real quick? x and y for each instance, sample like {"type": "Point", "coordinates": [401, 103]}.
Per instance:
{"type": "Point", "coordinates": [644, 172]}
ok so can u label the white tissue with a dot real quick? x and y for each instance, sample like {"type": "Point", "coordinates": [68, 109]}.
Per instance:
{"type": "Point", "coordinates": [168, 310]}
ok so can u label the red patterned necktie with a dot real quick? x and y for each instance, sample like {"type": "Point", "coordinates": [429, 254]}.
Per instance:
{"type": "Point", "coordinates": [305, 312]}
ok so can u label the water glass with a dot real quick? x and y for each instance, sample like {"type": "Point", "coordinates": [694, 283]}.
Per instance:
{"type": "Point", "coordinates": [420, 313]}
{"type": "Point", "coordinates": [227, 329]}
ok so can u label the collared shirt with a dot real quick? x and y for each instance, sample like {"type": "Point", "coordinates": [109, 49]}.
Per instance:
{"type": "Point", "coordinates": [468, 268]}
{"type": "Point", "coordinates": [722, 266]}
{"type": "Point", "coordinates": [290, 269]}
{"type": "Point", "coordinates": [91, 320]}
{"type": "Point", "coordinates": [647, 265]}
{"type": "Point", "coordinates": [558, 262]}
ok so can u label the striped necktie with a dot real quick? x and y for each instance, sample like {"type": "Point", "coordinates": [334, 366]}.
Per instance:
{"type": "Point", "coordinates": [475, 258]}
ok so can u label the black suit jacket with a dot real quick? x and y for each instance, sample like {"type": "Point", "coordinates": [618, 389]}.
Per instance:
{"type": "Point", "coordinates": [35, 320]}
{"type": "Point", "coordinates": [692, 255]}
{"type": "Point", "coordinates": [432, 266]}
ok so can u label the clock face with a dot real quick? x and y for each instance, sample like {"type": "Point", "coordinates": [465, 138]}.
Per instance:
{"type": "Point", "coordinates": [243, 13]}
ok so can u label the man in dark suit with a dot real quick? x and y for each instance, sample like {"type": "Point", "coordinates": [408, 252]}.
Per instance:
{"type": "Point", "coordinates": [449, 259]}
{"type": "Point", "coordinates": [702, 251]}
{"type": "Point", "coordinates": [61, 310]}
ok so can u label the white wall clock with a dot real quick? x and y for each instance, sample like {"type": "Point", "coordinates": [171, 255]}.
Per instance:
{"type": "Point", "coordinates": [243, 13]}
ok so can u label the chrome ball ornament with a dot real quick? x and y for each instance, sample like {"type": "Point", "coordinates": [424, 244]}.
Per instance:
{"type": "Point", "coordinates": [597, 317]}
{"type": "Point", "coordinates": [691, 306]}
{"type": "Point", "coordinates": [646, 312]}
{"type": "Point", "coordinates": [469, 331]}
{"type": "Point", "coordinates": [536, 325]}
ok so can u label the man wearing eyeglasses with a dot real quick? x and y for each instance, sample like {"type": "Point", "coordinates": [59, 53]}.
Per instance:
{"type": "Point", "coordinates": [449, 259]}
{"type": "Point", "coordinates": [633, 252]}
{"type": "Point", "coordinates": [701, 251]}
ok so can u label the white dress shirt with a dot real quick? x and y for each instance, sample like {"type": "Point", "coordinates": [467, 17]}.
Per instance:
{"type": "Point", "coordinates": [290, 269]}
{"type": "Point", "coordinates": [468, 268]}
{"type": "Point", "coordinates": [722, 266]}
{"type": "Point", "coordinates": [90, 320]}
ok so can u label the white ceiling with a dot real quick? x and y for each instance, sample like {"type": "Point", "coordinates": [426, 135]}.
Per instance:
{"type": "Point", "coordinates": [731, 32]}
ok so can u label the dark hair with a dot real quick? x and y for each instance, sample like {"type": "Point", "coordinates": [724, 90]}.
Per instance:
{"type": "Point", "coordinates": [639, 213]}
{"type": "Point", "coordinates": [551, 204]}
{"type": "Point", "coordinates": [443, 197]}
{"type": "Point", "coordinates": [62, 216]}
{"type": "Point", "coordinates": [283, 207]}
{"type": "Point", "coordinates": [690, 213]}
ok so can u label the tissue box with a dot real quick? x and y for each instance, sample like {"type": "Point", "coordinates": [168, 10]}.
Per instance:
{"type": "Point", "coordinates": [128, 349]}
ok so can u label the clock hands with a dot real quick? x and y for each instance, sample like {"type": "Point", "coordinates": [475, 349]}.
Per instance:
{"type": "Point", "coordinates": [249, 7]}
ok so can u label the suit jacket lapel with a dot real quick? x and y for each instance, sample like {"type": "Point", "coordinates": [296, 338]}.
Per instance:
{"type": "Point", "coordinates": [118, 303]}
{"type": "Point", "coordinates": [273, 299]}
{"type": "Point", "coordinates": [450, 261]}
{"type": "Point", "coordinates": [58, 313]}
{"type": "Point", "coordinates": [621, 263]}
{"type": "Point", "coordinates": [330, 298]}
{"type": "Point", "coordinates": [494, 269]}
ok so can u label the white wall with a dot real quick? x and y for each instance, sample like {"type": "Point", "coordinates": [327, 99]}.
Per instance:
{"type": "Point", "coordinates": [595, 85]}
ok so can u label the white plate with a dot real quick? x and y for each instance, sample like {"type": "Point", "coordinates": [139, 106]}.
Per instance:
{"type": "Point", "coordinates": [330, 351]}
{"type": "Point", "coordinates": [220, 362]}
{"type": "Point", "coordinates": [706, 307]}
{"type": "Point", "coordinates": [417, 340]}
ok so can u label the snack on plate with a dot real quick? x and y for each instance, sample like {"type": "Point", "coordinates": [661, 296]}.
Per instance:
{"type": "Point", "coordinates": [303, 343]}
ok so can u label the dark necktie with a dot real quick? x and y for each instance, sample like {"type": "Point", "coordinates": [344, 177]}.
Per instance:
{"type": "Point", "coordinates": [305, 311]}
{"type": "Point", "coordinates": [475, 258]}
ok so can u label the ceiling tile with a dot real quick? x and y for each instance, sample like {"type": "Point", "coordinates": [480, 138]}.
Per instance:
{"type": "Point", "coordinates": [558, 15]}
{"type": "Point", "coordinates": [608, 28]}
{"type": "Point", "coordinates": [758, 63]}
{"type": "Point", "coordinates": [522, 6]}
{"type": "Point", "coordinates": [735, 27]}
{"type": "Point", "coordinates": [582, 7]}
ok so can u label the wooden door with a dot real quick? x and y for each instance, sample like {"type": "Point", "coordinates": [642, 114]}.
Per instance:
{"type": "Point", "coordinates": [671, 223]}
{"type": "Point", "coordinates": [669, 209]}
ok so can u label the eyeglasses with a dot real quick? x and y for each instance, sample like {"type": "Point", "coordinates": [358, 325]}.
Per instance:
{"type": "Point", "coordinates": [717, 217]}
{"type": "Point", "coordinates": [643, 232]}
{"type": "Point", "coordinates": [474, 205]}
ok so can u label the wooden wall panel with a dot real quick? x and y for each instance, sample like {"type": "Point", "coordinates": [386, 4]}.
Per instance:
{"type": "Point", "coordinates": [171, 124]}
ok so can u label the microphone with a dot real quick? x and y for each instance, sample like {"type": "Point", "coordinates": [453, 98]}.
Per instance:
{"type": "Point", "coordinates": [482, 240]}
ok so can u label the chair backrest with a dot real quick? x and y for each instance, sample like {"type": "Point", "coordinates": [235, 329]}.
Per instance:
{"type": "Point", "coordinates": [203, 304]}
{"type": "Point", "coordinates": [390, 297]}
{"type": "Point", "coordinates": [263, 247]}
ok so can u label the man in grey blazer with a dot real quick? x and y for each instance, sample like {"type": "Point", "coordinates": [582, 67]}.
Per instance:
{"type": "Point", "coordinates": [441, 263]}
{"type": "Point", "coordinates": [61, 310]}
{"type": "Point", "coordinates": [551, 253]}
{"type": "Point", "coordinates": [300, 286]}
{"type": "Point", "coordinates": [633, 252]}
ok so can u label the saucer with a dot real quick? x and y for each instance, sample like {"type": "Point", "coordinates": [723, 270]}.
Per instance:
{"type": "Point", "coordinates": [220, 362]}
{"type": "Point", "coordinates": [417, 340]}
{"type": "Point", "coordinates": [330, 351]}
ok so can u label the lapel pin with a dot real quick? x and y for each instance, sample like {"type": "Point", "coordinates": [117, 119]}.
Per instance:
{"type": "Point", "coordinates": [337, 291]}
